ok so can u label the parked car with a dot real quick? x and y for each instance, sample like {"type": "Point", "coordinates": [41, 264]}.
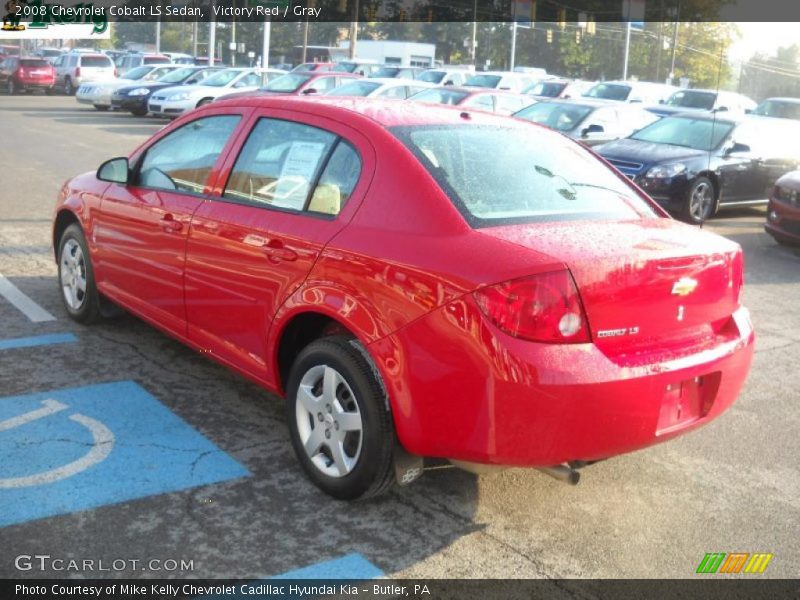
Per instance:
{"type": "Point", "coordinates": [132, 60]}
{"type": "Point", "coordinates": [174, 101]}
{"type": "Point", "coordinates": [364, 67]}
{"type": "Point", "coordinates": [314, 66]}
{"type": "Point", "coordinates": [496, 101]}
{"type": "Point", "coordinates": [783, 211]}
{"type": "Point", "coordinates": [372, 267]}
{"type": "Point", "coordinates": [500, 80]}
{"type": "Point", "coordinates": [76, 68]}
{"type": "Point", "coordinates": [557, 87]}
{"type": "Point", "coordinates": [695, 164]}
{"type": "Point", "coordinates": [135, 96]}
{"type": "Point", "coordinates": [26, 74]}
{"type": "Point", "coordinates": [781, 108]}
{"type": "Point", "coordinates": [392, 71]}
{"type": "Point", "coordinates": [444, 76]}
{"type": "Point", "coordinates": [299, 83]}
{"type": "Point", "coordinates": [592, 122]}
{"type": "Point", "coordinates": [380, 88]}
{"type": "Point", "coordinates": [708, 100]}
{"type": "Point", "coordinates": [99, 94]}
{"type": "Point", "coordinates": [631, 91]}
{"type": "Point", "coordinates": [49, 54]}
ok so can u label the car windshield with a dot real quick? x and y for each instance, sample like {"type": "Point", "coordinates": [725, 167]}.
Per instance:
{"type": "Point", "coordinates": [556, 115]}
{"type": "Point", "coordinates": [546, 88]}
{"type": "Point", "coordinates": [137, 73]}
{"type": "Point", "coordinates": [346, 67]}
{"type": "Point", "coordinates": [699, 134]}
{"type": "Point", "coordinates": [609, 91]}
{"type": "Point", "coordinates": [95, 61]}
{"type": "Point", "coordinates": [33, 62]}
{"type": "Point", "coordinates": [157, 73]}
{"type": "Point", "coordinates": [778, 108]}
{"type": "Point", "coordinates": [431, 76]}
{"type": "Point", "coordinates": [222, 78]}
{"type": "Point", "coordinates": [692, 99]}
{"type": "Point", "coordinates": [488, 81]}
{"type": "Point", "coordinates": [533, 175]}
{"type": "Point", "coordinates": [440, 96]}
{"type": "Point", "coordinates": [386, 72]}
{"type": "Point", "coordinates": [177, 75]}
{"type": "Point", "coordinates": [356, 88]}
{"type": "Point", "coordinates": [286, 83]}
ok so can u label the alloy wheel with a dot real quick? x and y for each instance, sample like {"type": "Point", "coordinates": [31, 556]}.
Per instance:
{"type": "Point", "coordinates": [73, 274]}
{"type": "Point", "coordinates": [701, 201]}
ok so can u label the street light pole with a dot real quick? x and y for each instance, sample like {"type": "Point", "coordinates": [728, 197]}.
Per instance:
{"type": "Point", "coordinates": [354, 30]}
{"type": "Point", "coordinates": [158, 36]}
{"type": "Point", "coordinates": [513, 44]}
{"type": "Point", "coordinates": [265, 43]}
{"type": "Point", "coordinates": [474, 30]}
{"type": "Point", "coordinates": [627, 50]}
{"type": "Point", "coordinates": [212, 36]}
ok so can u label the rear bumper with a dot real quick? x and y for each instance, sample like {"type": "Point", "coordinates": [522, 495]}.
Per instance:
{"type": "Point", "coordinates": [461, 389]}
{"type": "Point", "coordinates": [36, 83]}
{"type": "Point", "coordinates": [783, 221]}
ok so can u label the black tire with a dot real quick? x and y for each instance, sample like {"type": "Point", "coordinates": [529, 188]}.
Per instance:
{"type": "Point", "coordinates": [700, 202]}
{"type": "Point", "coordinates": [84, 308]}
{"type": "Point", "coordinates": [372, 473]}
{"type": "Point", "coordinates": [204, 101]}
{"type": "Point", "coordinates": [69, 89]}
{"type": "Point", "coordinates": [101, 107]}
{"type": "Point", "coordinates": [11, 87]}
{"type": "Point", "coordinates": [49, 91]}
{"type": "Point", "coordinates": [139, 112]}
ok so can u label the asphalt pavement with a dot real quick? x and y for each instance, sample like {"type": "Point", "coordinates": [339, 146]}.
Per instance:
{"type": "Point", "coordinates": [234, 502]}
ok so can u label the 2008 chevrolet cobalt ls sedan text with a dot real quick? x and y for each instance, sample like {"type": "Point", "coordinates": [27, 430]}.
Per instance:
{"type": "Point", "coordinates": [416, 281]}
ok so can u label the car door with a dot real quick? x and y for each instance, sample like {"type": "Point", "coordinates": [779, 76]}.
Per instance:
{"type": "Point", "coordinates": [294, 185]}
{"type": "Point", "coordinates": [604, 118]}
{"type": "Point", "coordinates": [142, 227]}
{"type": "Point", "coordinates": [741, 171]}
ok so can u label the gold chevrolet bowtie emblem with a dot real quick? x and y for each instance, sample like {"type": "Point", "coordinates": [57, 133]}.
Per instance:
{"type": "Point", "coordinates": [684, 286]}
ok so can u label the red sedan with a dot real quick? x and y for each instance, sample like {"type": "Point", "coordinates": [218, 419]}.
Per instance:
{"type": "Point", "coordinates": [416, 281]}
{"type": "Point", "coordinates": [26, 74]}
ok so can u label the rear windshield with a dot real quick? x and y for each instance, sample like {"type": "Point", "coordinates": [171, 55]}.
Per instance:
{"type": "Point", "coordinates": [555, 115]}
{"type": "Point", "coordinates": [489, 81]}
{"type": "Point", "coordinates": [609, 91]}
{"type": "Point", "coordinates": [440, 96]}
{"type": "Point", "coordinates": [33, 62]}
{"type": "Point", "coordinates": [544, 88]}
{"type": "Point", "coordinates": [95, 61]}
{"type": "Point", "coordinates": [533, 176]}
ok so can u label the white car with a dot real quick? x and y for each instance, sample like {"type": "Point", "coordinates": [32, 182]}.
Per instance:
{"type": "Point", "coordinates": [501, 80]}
{"type": "Point", "coordinates": [631, 91]}
{"type": "Point", "coordinates": [445, 76]}
{"type": "Point", "coordinates": [75, 68]}
{"type": "Point", "coordinates": [99, 93]}
{"type": "Point", "coordinates": [379, 87]}
{"type": "Point", "coordinates": [174, 101]}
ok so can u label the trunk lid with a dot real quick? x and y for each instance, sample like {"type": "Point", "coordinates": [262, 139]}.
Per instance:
{"type": "Point", "coordinates": [651, 282]}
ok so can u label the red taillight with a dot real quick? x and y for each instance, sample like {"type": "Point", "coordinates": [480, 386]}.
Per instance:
{"type": "Point", "coordinates": [77, 72]}
{"type": "Point", "coordinates": [541, 308]}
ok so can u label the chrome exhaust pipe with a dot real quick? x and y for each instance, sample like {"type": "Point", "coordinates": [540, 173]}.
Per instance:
{"type": "Point", "coordinates": [562, 473]}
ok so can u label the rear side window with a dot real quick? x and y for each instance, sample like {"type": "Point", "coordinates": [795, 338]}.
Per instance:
{"type": "Point", "coordinates": [294, 167]}
{"type": "Point", "coordinates": [182, 161]}
{"type": "Point", "coordinates": [533, 175]}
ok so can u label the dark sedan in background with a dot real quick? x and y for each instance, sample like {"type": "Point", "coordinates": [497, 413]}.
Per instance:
{"type": "Point", "coordinates": [592, 122]}
{"type": "Point", "coordinates": [694, 164]}
{"type": "Point", "coordinates": [134, 98]}
{"type": "Point", "coordinates": [783, 214]}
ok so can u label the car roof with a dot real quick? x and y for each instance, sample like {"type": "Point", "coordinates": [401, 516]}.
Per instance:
{"type": "Point", "coordinates": [384, 112]}
{"type": "Point", "coordinates": [475, 91]}
{"type": "Point", "coordinates": [586, 101]}
{"type": "Point", "coordinates": [783, 99]}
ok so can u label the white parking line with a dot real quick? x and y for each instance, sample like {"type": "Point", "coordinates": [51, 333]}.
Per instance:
{"type": "Point", "coordinates": [27, 306]}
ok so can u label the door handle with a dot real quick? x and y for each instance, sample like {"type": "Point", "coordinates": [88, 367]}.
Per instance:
{"type": "Point", "coordinates": [169, 224]}
{"type": "Point", "coordinates": [276, 251]}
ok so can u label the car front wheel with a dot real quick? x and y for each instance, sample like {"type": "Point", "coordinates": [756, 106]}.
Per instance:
{"type": "Point", "coordinates": [76, 277]}
{"type": "Point", "coordinates": [12, 87]}
{"type": "Point", "coordinates": [69, 89]}
{"type": "Point", "coordinates": [339, 419]}
{"type": "Point", "coordinates": [700, 203]}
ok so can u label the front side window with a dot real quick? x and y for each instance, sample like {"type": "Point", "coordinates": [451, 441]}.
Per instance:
{"type": "Point", "coordinates": [182, 161]}
{"type": "Point", "coordinates": [533, 176]}
{"type": "Point", "coordinates": [294, 166]}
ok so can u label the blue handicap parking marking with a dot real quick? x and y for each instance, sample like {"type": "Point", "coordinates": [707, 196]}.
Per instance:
{"type": "Point", "coordinates": [39, 340]}
{"type": "Point", "coordinates": [75, 449]}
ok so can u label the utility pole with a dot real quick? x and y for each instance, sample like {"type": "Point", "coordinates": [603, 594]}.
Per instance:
{"type": "Point", "coordinates": [513, 44]}
{"type": "Point", "coordinates": [158, 36]}
{"type": "Point", "coordinates": [354, 30]}
{"type": "Point", "coordinates": [675, 41]}
{"type": "Point", "coordinates": [627, 50]}
{"type": "Point", "coordinates": [474, 30]}
{"type": "Point", "coordinates": [305, 41]}
{"type": "Point", "coordinates": [265, 43]}
{"type": "Point", "coordinates": [194, 38]}
{"type": "Point", "coordinates": [212, 36]}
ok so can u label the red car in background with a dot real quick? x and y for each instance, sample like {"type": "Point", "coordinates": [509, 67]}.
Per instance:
{"type": "Point", "coordinates": [26, 74]}
{"type": "Point", "coordinates": [783, 211]}
{"type": "Point", "coordinates": [416, 281]}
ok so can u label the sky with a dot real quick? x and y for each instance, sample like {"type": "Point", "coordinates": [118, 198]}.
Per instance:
{"type": "Point", "coordinates": [765, 38]}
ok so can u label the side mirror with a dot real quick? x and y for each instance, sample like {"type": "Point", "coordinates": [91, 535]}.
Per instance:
{"type": "Point", "coordinates": [748, 111]}
{"type": "Point", "coordinates": [736, 148]}
{"type": "Point", "coordinates": [310, 91]}
{"type": "Point", "coordinates": [115, 170]}
{"type": "Point", "coordinates": [594, 128]}
{"type": "Point", "coordinates": [661, 101]}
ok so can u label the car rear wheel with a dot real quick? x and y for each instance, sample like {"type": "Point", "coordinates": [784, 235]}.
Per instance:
{"type": "Point", "coordinates": [69, 89]}
{"type": "Point", "coordinates": [700, 203]}
{"type": "Point", "coordinates": [101, 107]}
{"type": "Point", "coordinates": [339, 419]}
{"type": "Point", "coordinates": [139, 112]}
{"type": "Point", "coordinates": [76, 277]}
